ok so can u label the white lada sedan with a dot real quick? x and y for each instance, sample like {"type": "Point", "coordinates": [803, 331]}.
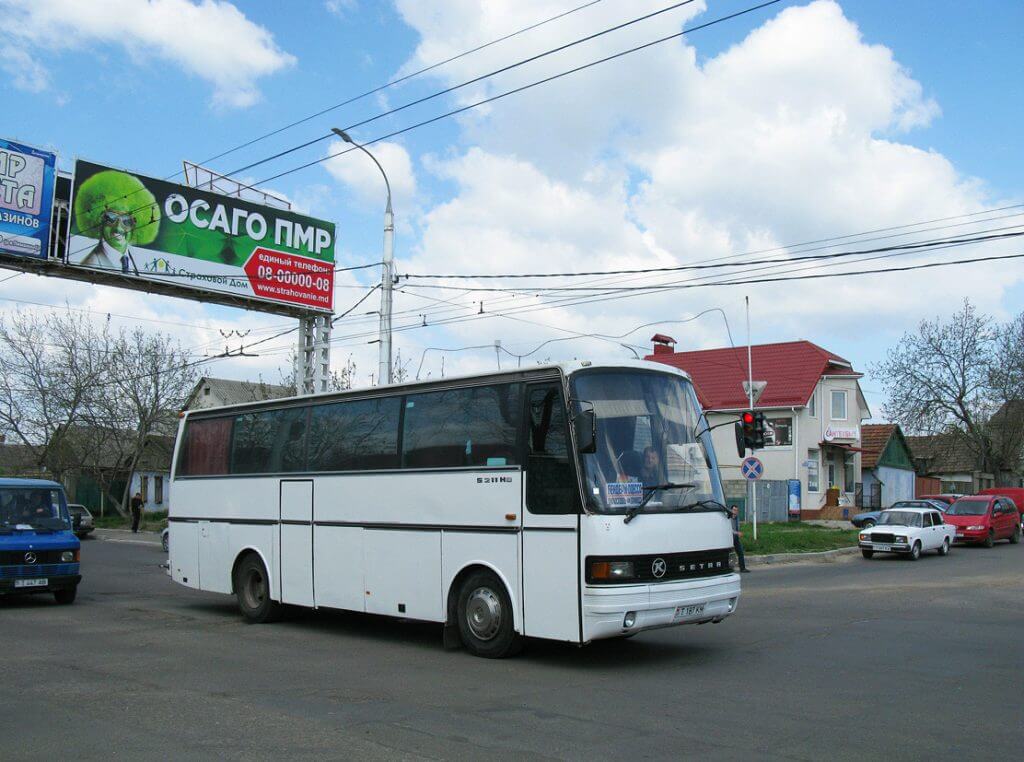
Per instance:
{"type": "Point", "coordinates": [910, 531]}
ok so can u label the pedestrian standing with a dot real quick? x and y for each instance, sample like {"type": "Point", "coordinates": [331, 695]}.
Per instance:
{"type": "Point", "coordinates": [136, 511]}
{"type": "Point", "coordinates": [736, 544]}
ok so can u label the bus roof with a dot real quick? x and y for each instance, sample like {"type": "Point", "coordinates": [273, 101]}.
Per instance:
{"type": "Point", "coordinates": [566, 368]}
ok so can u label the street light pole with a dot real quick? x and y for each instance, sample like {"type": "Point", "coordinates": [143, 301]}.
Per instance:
{"type": "Point", "coordinates": [384, 373]}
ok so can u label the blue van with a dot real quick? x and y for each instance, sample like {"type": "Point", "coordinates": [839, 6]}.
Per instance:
{"type": "Point", "coordinates": [39, 552]}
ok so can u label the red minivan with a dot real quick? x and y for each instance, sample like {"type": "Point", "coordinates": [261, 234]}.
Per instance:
{"type": "Point", "coordinates": [1016, 494]}
{"type": "Point", "coordinates": [984, 519]}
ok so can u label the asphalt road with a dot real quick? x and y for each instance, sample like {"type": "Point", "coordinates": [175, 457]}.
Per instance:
{"type": "Point", "coordinates": [848, 660]}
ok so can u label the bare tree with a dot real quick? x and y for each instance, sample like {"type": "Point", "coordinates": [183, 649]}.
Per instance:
{"type": "Point", "coordinates": [82, 399]}
{"type": "Point", "coordinates": [339, 380]}
{"type": "Point", "coordinates": [952, 378]}
{"type": "Point", "coordinates": [150, 378]}
{"type": "Point", "coordinates": [52, 368]}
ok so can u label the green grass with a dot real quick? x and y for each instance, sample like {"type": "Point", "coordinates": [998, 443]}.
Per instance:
{"type": "Point", "coordinates": [794, 537]}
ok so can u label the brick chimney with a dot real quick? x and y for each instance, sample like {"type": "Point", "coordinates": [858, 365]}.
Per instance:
{"type": "Point", "coordinates": [663, 345]}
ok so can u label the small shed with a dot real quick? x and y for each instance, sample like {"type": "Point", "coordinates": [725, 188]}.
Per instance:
{"type": "Point", "coordinates": [887, 465]}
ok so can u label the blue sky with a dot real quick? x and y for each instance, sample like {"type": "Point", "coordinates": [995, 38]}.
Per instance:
{"type": "Point", "coordinates": [121, 96]}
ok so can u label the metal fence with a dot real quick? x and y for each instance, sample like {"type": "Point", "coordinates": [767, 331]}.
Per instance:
{"type": "Point", "coordinates": [772, 501]}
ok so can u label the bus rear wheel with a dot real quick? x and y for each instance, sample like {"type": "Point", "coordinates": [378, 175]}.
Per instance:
{"type": "Point", "coordinates": [484, 615]}
{"type": "Point", "coordinates": [252, 589]}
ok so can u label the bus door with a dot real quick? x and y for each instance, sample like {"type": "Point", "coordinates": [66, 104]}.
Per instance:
{"type": "Point", "coordinates": [295, 559]}
{"type": "Point", "coordinates": [550, 536]}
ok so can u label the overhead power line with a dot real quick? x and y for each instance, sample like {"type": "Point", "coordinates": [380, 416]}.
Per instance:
{"type": "Point", "coordinates": [682, 286]}
{"type": "Point", "coordinates": [386, 85]}
{"type": "Point", "coordinates": [398, 80]}
{"type": "Point", "coordinates": [467, 83]}
{"type": "Point", "coordinates": [514, 296]}
{"type": "Point", "coordinates": [940, 243]}
{"type": "Point", "coordinates": [485, 101]}
{"type": "Point", "coordinates": [523, 88]}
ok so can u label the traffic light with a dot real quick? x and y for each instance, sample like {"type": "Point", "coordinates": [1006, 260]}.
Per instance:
{"type": "Point", "coordinates": [749, 432]}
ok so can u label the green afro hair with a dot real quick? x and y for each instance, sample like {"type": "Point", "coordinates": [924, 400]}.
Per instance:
{"type": "Point", "coordinates": [117, 192]}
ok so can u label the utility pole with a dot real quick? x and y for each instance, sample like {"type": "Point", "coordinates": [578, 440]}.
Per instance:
{"type": "Point", "coordinates": [750, 393]}
{"type": "Point", "coordinates": [384, 372]}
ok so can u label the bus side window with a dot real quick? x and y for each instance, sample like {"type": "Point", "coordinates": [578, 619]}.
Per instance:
{"type": "Point", "coordinates": [550, 485]}
{"type": "Point", "coordinates": [475, 426]}
{"type": "Point", "coordinates": [206, 447]}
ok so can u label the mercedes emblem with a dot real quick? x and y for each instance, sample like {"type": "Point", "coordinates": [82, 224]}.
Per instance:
{"type": "Point", "coordinates": [30, 558]}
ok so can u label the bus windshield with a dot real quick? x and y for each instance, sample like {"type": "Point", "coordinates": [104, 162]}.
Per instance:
{"type": "Point", "coordinates": [645, 438]}
{"type": "Point", "coordinates": [38, 508]}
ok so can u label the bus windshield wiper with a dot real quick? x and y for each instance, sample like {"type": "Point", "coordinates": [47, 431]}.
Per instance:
{"type": "Point", "coordinates": [708, 503]}
{"type": "Point", "coordinates": [632, 512]}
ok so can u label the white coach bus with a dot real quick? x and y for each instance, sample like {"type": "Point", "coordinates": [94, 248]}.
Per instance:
{"type": "Point", "coordinates": [572, 502]}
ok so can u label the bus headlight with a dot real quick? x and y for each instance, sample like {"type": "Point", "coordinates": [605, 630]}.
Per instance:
{"type": "Point", "coordinates": [611, 570]}
{"type": "Point", "coordinates": [67, 556]}
{"type": "Point", "coordinates": [734, 560]}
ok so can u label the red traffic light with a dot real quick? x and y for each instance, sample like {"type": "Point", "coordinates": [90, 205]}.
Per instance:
{"type": "Point", "coordinates": [747, 417]}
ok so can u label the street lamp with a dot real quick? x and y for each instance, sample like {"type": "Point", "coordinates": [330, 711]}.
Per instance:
{"type": "Point", "coordinates": [387, 277]}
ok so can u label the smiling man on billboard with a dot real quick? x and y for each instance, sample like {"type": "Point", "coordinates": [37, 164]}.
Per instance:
{"type": "Point", "coordinates": [118, 210]}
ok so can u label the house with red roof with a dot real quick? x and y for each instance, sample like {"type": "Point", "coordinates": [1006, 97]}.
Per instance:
{"type": "Point", "coordinates": [887, 465]}
{"type": "Point", "coordinates": [813, 406]}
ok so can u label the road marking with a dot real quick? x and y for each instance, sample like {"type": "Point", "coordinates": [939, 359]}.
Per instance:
{"type": "Point", "coordinates": [132, 542]}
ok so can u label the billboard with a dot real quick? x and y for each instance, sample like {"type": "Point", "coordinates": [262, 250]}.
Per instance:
{"type": "Point", "coordinates": [26, 199]}
{"type": "Point", "coordinates": [154, 230]}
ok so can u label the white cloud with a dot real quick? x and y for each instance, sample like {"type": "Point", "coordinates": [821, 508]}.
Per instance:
{"type": "Point", "coordinates": [362, 177]}
{"type": "Point", "coordinates": [794, 133]}
{"type": "Point", "coordinates": [210, 39]}
{"type": "Point", "coordinates": [340, 7]}
{"type": "Point", "coordinates": [25, 72]}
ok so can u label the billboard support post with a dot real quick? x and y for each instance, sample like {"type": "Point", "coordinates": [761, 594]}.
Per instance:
{"type": "Point", "coordinates": [313, 360]}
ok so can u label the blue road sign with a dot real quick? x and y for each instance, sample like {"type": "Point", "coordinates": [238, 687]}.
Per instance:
{"type": "Point", "coordinates": [751, 468]}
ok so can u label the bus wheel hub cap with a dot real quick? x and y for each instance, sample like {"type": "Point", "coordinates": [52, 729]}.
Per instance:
{"type": "Point", "coordinates": [483, 613]}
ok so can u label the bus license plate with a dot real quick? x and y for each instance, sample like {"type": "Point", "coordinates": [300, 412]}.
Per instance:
{"type": "Point", "coordinates": [685, 612]}
{"type": "Point", "coordinates": [31, 582]}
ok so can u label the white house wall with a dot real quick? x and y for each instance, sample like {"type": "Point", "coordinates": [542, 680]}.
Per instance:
{"type": "Point", "coordinates": [787, 462]}
{"type": "Point", "coordinates": [897, 484]}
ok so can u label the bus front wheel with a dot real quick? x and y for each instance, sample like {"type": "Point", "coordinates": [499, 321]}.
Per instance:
{"type": "Point", "coordinates": [485, 617]}
{"type": "Point", "coordinates": [252, 589]}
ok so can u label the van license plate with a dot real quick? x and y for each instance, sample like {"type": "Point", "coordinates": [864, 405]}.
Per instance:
{"type": "Point", "coordinates": [31, 582]}
{"type": "Point", "coordinates": [684, 612]}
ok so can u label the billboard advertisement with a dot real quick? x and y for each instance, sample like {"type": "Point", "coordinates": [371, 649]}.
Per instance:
{"type": "Point", "coordinates": [26, 199]}
{"type": "Point", "coordinates": [150, 229]}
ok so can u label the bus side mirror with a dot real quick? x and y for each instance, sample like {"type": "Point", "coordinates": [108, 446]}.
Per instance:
{"type": "Point", "coordinates": [584, 424]}
{"type": "Point", "coordinates": [741, 441]}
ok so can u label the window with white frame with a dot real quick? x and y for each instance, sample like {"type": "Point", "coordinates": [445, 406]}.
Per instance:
{"type": "Point", "coordinates": [778, 432]}
{"type": "Point", "coordinates": [812, 404]}
{"type": "Point", "coordinates": [813, 478]}
{"type": "Point", "coordinates": [838, 405]}
{"type": "Point", "coordinates": [849, 472]}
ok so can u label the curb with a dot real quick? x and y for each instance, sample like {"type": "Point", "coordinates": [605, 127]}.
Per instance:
{"type": "Point", "coordinates": [143, 537]}
{"type": "Point", "coordinates": [821, 557]}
